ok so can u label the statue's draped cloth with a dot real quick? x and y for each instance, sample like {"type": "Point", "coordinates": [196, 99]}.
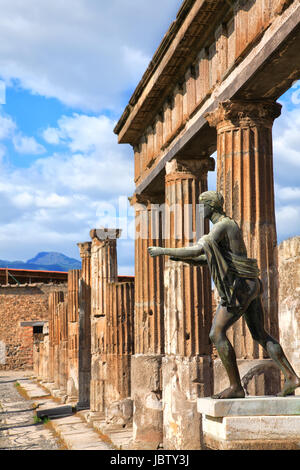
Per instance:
{"type": "Point", "coordinates": [227, 268]}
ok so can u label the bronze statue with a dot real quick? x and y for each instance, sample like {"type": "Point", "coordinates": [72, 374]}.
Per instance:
{"type": "Point", "coordinates": [236, 278]}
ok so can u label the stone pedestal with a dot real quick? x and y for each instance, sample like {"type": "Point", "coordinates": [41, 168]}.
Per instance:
{"type": "Point", "coordinates": [264, 423]}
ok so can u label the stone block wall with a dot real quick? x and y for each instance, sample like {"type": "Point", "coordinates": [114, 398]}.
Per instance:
{"type": "Point", "coordinates": [289, 299]}
{"type": "Point", "coordinates": [19, 304]}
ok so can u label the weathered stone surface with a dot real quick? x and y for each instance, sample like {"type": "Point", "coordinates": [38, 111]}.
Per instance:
{"type": "Point", "coordinates": [289, 299]}
{"type": "Point", "coordinates": [18, 305]}
{"type": "Point", "coordinates": [112, 309]}
{"type": "Point", "coordinates": [188, 310]}
{"type": "Point", "coordinates": [250, 406]}
{"type": "Point", "coordinates": [148, 321]}
{"type": "Point", "coordinates": [146, 392]}
{"type": "Point", "coordinates": [84, 358]}
{"type": "Point", "coordinates": [251, 423]}
{"type": "Point", "coordinates": [120, 412]}
{"type": "Point", "coordinates": [184, 380]}
{"type": "Point", "coordinates": [73, 334]}
{"type": "Point", "coordinates": [241, 428]}
{"type": "Point", "coordinates": [247, 55]}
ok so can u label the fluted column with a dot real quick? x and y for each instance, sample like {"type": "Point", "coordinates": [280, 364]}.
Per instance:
{"type": "Point", "coordinates": [54, 299]}
{"type": "Point", "coordinates": [104, 270]}
{"type": "Point", "coordinates": [245, 178]}
{"type": "Point", "coordinates": [148, 324]}
{"type": "Point", "coordinates": [63, 346]}
{"type": "Point", "coordinates": [73, 334]}
{"type": "Point", "coordinates": [84, 325]}
{"type": "Point", "coordinates": [187, 364]}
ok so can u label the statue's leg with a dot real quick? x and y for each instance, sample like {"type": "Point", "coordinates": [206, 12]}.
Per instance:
{"type": "Point", "coordinates": [254, 317]}
{"type": "Point", "coordinates": [222, 321]}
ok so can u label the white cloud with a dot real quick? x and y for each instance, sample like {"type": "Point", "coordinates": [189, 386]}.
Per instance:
{"type": "Point", "coordinates": [82, 133]}
{"type": "Point", "coordinates": [27, 145]}
{"type": "Point", "coordinates": [7, 127]}
{"type": "Point", "coordinates": [86, 53]}
{"type": "Point", "coordinates": [51, 136]}
{"type": "Point", "coordinates": [287, 194]}
{"type": "Point", "coordinates": [286, 172]}
{"type": "Point", "coordinates": [286, 147]}
{"type": "Point", "coordinates": [135, 62]}
{"type": "Point", "coordinates": [288, 221]}
{"type": "Point", "coordinates": [58, 199]}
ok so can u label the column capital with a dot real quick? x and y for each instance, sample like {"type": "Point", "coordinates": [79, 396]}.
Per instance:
{"type": "Point", "coordinates": [147, 199]}
{"type": "Point", "coordinates": [238, 113]}
{"type": "Point", "coordinates": [85, 249]}
{"type": "Point", "coordinates": [193, 168]}
{"type": "Point", "coordinates": [103, 234]}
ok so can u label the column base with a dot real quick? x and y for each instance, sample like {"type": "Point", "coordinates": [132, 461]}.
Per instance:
{"type": "Point", "coordinates": [81, 406]}
{"type": "Point", "coordinates": [146, 393]}
{"type": "Point", "coordinates": [252, 423]}
{"type": "Point", "coordinates": [97, 388]}
{"type": "Point", "coordinates": [185, 379]}
{"type": "Point", "coordinates": [120, 412]}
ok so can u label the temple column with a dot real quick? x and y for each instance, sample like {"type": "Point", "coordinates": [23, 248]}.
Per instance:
{"type": "Point", "coordinates": [73, 334]}
{"type": "Point", "coordinates": [63, 347]}
{"type": "Point", "coordinates": [54, 299]}
{"type": "Point", "coordinates": [84, 326]}
{"type": "Point", "coordinates": [187, 370]}
{"type": "Point", "coordinates": [104, 270]}
{"type": "Point", "coordinates": [245, 179]}
{"type": "Point", "coordinates": [146, 380]}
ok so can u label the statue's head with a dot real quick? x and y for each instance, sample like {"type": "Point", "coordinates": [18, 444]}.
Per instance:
{"type": "Point", "coordinates": [212, 201]}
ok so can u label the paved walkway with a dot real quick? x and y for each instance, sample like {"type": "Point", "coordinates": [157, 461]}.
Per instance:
{"type": "Point", "coordinates": [18, 430]}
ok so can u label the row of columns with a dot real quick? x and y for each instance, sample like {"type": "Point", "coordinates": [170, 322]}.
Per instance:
{"type": "Point", "coordinates": [163, 359]}
{"type": "Point", "coordinates": [172, 362]}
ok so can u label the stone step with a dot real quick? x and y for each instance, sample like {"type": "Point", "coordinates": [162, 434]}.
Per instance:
{"type": "Point", "coordinates": [55, 412]}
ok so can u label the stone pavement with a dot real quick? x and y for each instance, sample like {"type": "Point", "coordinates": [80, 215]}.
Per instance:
{"type": "Point", "coordinates": [18, 429]}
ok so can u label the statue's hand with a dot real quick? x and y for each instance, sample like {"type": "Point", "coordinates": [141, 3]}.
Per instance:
{"type": "Point", "coordinates": [155, 251]}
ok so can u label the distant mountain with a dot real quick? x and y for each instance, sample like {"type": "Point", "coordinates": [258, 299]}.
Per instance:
{"type": "Point", "coordinates": [44, 261]}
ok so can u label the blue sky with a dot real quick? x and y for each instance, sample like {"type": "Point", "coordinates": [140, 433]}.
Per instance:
{"type": "Point", "coordinates": [70, 68]}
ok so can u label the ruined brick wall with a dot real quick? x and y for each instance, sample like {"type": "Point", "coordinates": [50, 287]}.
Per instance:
{"type": "Point", "coordinates": [21, 304]}
{"type": "Point", "coordinates": [289, 299]}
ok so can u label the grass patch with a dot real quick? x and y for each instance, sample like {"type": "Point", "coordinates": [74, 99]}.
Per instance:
{"type": "Point", "coordinates": [21, 391]}
{"type": "Point", "coordinates": [44, 420]}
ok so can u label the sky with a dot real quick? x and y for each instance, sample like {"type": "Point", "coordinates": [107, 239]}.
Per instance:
{"type": "Point", "coordinates": [67, 71]}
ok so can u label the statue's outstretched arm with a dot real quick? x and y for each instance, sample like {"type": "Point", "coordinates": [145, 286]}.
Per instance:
{"type": "Point", "coordinates": [183, 253]}
{"type": "Point", "coordinates": [197, 261]}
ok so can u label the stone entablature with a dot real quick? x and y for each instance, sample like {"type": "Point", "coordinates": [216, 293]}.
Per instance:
{"type": "Point", "coordinates": [217, 35]}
